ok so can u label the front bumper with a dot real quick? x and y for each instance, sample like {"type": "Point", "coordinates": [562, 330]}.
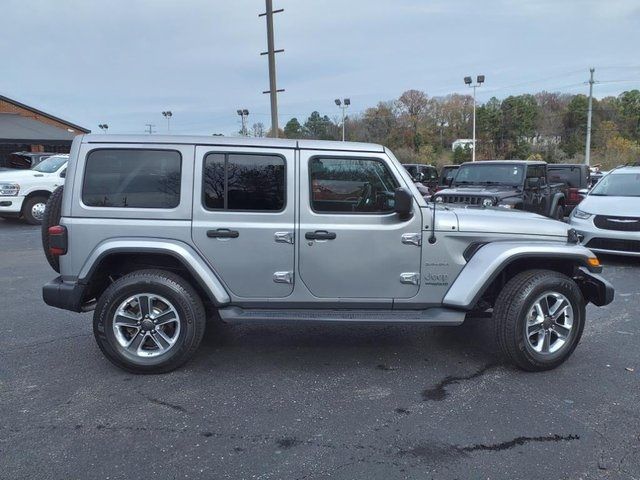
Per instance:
{"type": "Point", "coordinates": [11, 205]}
{"type": "Point", "coordinates": [595, 289]}
{"type": "Point", "coordinates": [65, 295]}
{"type": "Point", "coordinates": [599, 240]}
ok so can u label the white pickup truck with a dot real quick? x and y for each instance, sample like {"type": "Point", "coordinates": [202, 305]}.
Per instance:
{"type": "Point", "coordinates": [24, 193]}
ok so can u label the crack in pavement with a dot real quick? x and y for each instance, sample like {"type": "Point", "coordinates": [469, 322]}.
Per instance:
{"type": "Point", "coordinates": [439, 392]}
{"type": "Point", "coordinates": [162, 403]}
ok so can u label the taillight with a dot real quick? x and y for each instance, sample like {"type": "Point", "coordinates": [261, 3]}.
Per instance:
{"type": "Point", "coordinates": [57, 240]}
{"type": "Point", "coordinates": [574, 196]}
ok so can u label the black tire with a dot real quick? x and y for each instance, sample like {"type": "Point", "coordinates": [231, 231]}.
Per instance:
{"type": "Point", "coordinates": [512, 307]}
{"type": "Point", "coordinates": [52, 214]}
{"type": "Point", "coordinates": [27, 207]}
{"type": "Point", "coordinates": [174, 289]}
{"type": "Point", "coordinates": [559, 213]}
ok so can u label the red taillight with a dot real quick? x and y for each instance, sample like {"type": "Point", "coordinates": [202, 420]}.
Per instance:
{"type": "Point", "coordinates": [57, 240]}
{"type": "Point", "coordinates": [574, 196]}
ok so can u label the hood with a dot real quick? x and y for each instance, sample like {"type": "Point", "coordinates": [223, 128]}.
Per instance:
{"type": "Point", "coordinates": [14, 175]}
{"type": "Point", "coordinates": [492, 191]}
{"type": "Point", "coordinates": [611, 206]}
{"type": "Point", "coordinates": [515, 222]}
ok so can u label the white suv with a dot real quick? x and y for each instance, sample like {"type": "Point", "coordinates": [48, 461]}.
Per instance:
{"type": "Point", "coordinates": [24, 193]}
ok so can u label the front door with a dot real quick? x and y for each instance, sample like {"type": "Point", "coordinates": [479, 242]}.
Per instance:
{"type": "Point", "coordinates": [243, 218]}
{"type": "Point", "coordinates": [352, 243]}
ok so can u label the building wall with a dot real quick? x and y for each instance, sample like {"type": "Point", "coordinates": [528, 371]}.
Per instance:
{"type": "Point", "coordinates": [7, 107]}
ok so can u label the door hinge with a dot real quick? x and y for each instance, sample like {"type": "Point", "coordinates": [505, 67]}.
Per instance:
{"type": "Point", "coordinates": [412, 239]}
{"type": "Point", "coordinates": [283, 277]}
{"type": "Point", "coordinates": [410, 278]}
{"type": "Point", "coordinates": [283, 237]}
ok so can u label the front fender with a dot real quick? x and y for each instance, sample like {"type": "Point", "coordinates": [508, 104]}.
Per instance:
{"type": "Point", "coordinates": [491, 259]}
{"type": "Point", "coordinates": [179, 250]}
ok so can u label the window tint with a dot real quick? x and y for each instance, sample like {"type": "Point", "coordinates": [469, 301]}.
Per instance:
{"type": "Point", "coordinates": [244, 182]}
{"type": "Point", "coordinates": [132, 178]}
{"type": "Point", "coordinates": [351, 186]}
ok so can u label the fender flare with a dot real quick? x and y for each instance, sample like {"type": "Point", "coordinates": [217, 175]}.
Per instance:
{"type": "Point", "coordinates": [491, 259]}
{"type": "Point", "coordinates": [184, 253]}
{"type": "Point", "coordinates": [554, 202]}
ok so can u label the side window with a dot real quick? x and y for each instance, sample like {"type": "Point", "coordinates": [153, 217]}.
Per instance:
{"type": "Point", "coordinates": [132, 178]}
{"type": "Point", "coordinates": [243, 182]}
{"type": "Point", "coordinates": [351, 185]}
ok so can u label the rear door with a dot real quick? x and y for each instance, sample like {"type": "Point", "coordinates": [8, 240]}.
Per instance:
{"type": "Point", "coordinates": [243, 218]}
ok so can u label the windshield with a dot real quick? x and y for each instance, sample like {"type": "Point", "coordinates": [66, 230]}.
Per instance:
{"type": "Point", "coordinates": [50, 165]}
{"type": "Point", "coordinates": [618, 185]}
{"type": "Point", "coordinates": [489, 174]}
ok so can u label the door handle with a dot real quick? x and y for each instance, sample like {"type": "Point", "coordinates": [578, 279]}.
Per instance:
{"type": "Point", "coordinates": [320, 235]}
{"type": "Point", "coordinates": [223, 233]}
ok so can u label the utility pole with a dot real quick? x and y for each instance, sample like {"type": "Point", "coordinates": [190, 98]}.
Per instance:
{"type": "Point", "coordinates": [587, 151]}
{"type": "Point", "coordinates": [479, 82]}
{"type": "Point", "coordinates": [343, 105]}
{"type": "Point", "coordinates": [271, 52]}
{"type": "Point", "coordinates": [150, 127]}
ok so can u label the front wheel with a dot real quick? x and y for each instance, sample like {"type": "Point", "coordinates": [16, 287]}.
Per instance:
{"type": "Point", "coordinates": [33, 210]}
{"type": "Point", "coordinates": [539, 318]}
{"type": "Point", "coordinates": [149, 321]}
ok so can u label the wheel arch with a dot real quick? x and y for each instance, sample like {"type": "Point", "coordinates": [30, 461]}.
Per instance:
{"type": "Point", "coordinates": [124, 256]}
{"type": "Point", "coordinates": [494, 264]}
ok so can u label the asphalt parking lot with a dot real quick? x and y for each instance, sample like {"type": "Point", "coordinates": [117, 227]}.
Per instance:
{"type": "Point", "coordinates": [294, 402]}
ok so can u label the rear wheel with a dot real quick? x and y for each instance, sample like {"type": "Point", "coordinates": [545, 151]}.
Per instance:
{"type": "Point", "coordinates": [33, 210]}
{"type": "Point", "coordinates": [559, 213]}
{"type": "Point", "coordinates": [149, 321]}
{"type": "Point", "coordinates": [539, 318]}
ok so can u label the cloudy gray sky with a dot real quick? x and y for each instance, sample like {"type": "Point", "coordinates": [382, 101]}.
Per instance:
{"type": "Point", "coordinates": [124, 61]}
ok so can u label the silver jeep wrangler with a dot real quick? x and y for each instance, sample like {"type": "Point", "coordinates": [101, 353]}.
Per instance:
{"type": "Point", "coordinates": [153, 232]}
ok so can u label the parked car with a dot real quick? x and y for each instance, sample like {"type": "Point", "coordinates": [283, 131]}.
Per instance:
{"type": "Point", "coordinates": [575, 176]}
{"type": "Point", "coordinates": [24, 193]}
{"type": "Point", "coordinates": [447, 174]}
{"type": "Point", "coordinates": [608, 219]}
{"type": "Point", "coordinates": [150, 229]}
{"type": "Point", "coordinates": [511, 184]}
{"type": "Point", "coordinates": [25, 160]}
{"type": "Point", "coordinates": [425, 174]}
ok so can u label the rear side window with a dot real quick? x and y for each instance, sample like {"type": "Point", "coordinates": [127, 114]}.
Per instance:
{"type": "Point", "coordinates": [132, 178]}
{"type": "Point", "coordinates": [572, 176]}
{"type": "Point", "coordinates": [244, 182]}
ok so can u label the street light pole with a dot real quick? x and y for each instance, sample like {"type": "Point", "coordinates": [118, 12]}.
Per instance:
{"type": "Point", "coordinates": [244, 113]}
{"type": "Point", "coordinates": [168, 116]}
{"type": "Point", "coordinates": [343, 105]}
{"type": "Point", "coordinates": [479, 82]}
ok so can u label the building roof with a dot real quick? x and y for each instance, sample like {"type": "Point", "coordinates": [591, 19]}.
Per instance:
{"type": "Point", "coordinates": [15, 128]}
{"type": "Point", "coordinates": [44, 114]}
{"type": "Point", "coordinates": [235, 141]}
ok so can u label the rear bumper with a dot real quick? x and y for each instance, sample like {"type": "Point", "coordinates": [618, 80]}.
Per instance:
{"type": "Point", "coordinates": [594, 288]}
{"type": "Point", "coordinates": [65, 295]}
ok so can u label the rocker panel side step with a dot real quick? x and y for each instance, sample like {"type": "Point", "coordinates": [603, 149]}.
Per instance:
{"type": "Point", "coordinates": [431, 316]}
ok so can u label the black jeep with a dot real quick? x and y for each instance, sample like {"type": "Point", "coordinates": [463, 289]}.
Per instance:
{"type": "Point", "coordinates": [513, 184]}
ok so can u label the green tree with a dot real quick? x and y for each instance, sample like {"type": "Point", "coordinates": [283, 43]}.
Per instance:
{"type": "Point", "coordinates": [319, 127]}
{"type": "Point", "coordinates": [293, 129]}
{"type": "Point", "coordinates": [575, 126]}
{"type": "Point", "coordinates": [630, 109]}
{"type": "Point", "coordinates": [461, 155]}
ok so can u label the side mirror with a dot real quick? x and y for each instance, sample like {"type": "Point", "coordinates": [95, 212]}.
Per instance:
{"type": "Point", "coordinates": [63, 173]}
{"type": "Point", "coordinates": [583, 192]}
{"type": "Point", "coordinates": [533, 182]}
{"type": "Point", "coordinates": [403, 203]}
{"type": "Point", "coordinates": [419, 177]}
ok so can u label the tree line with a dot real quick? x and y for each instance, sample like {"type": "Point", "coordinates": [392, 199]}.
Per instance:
{"type": "Point", "coordinates": [546, 125]}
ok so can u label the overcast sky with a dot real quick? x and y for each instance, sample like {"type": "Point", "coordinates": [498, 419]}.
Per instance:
{"type": "Point", "coordinates": [125, 61]}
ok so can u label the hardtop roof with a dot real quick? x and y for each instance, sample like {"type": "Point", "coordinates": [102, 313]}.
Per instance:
{"type": "Point", "coordinates": [234, 142]}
